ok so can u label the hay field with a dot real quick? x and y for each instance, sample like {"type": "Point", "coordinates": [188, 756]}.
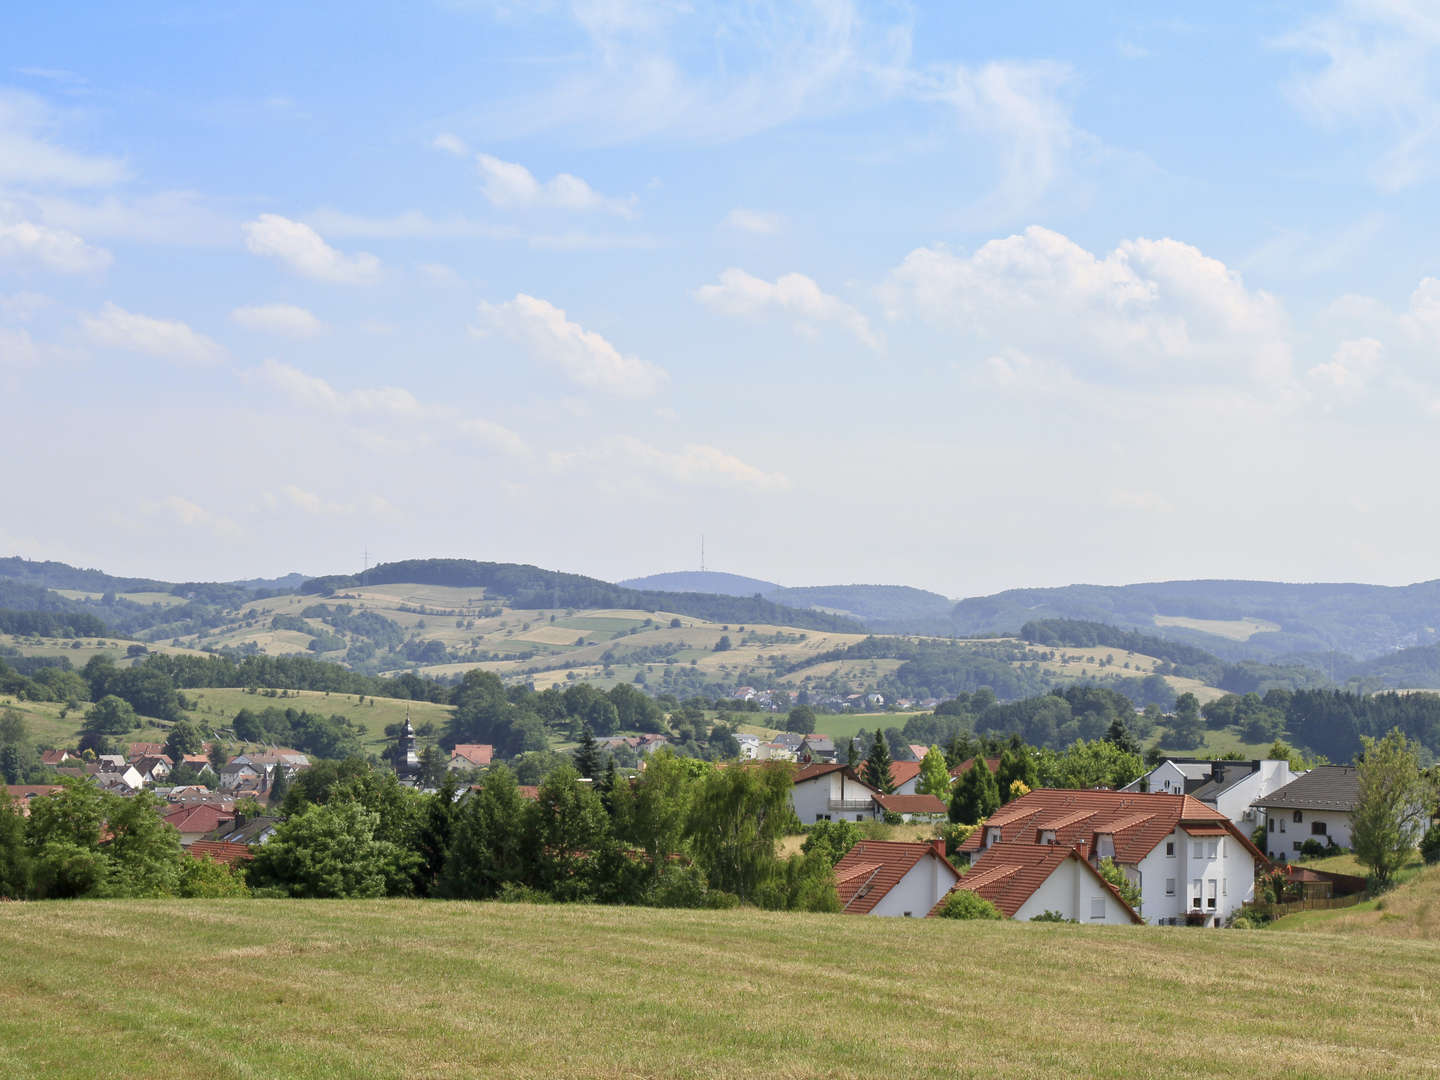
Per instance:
{"type": "Point", "coordinates": [230, 989]}
{"type": "Point", "coordinates": [1233, 629]}
{"type": "Point", "coordinates": [217, 706]}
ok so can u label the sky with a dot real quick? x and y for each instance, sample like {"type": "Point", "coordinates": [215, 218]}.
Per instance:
{"type": "Point", "coordinates": [954, 295]}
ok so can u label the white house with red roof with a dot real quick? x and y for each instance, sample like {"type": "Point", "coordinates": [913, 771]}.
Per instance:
{"type": "Point", "coordinates": [1190, 862]}
{"type": "Point", "coordinates": [828, 791]}
{"type": "Point", "coordinates": [886, 877]}
{"type": "Point", "coordinates": [1023, 883]}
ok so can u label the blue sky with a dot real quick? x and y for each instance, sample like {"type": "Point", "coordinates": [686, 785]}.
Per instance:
{"type": "Point", "coordinates": [953, 295]}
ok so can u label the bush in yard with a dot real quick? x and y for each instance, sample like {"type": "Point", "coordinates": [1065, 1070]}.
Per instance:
{"type": "Point", "coordinates": [1052, 916]}
{"type": "Point", "coordinates": [1430, 846]}
{"type": "Point", "coordinates": [964, 904]}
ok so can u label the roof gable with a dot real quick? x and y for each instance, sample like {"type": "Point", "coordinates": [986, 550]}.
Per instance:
{"type": "Point", "coordinates": [1012, 872]}
{"type": "Point", "coordinates": [872, 868]}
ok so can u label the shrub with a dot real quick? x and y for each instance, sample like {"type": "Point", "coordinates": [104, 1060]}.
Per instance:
{"type": "Point", "coordinates": [1052, 916]}
{"type": "Point", "coordinates": [964, 904]}
{"type": "Point", "coordinates": [1430, 846]}
{"type": "Point", "coordinates": [954, 835]}
{"type": "Point", "coordinates": [1312, 849]}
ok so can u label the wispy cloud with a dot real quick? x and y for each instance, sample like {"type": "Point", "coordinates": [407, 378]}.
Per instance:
{"type": "Point", "coordinates": [29, 154]}
{"type": "Point", "coordinates": [303, 249]}
{"type": "Point", "coordinates": [286, 320]}
{"type": "Point", "coordinates": [27, 245]}
{"type": "Point", "coordinates": [114, 327]}
{"type": "Point", "coordinates": [796, 295]}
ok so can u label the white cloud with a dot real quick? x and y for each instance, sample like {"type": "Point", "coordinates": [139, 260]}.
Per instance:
{"type": "Point", "coordinates": [583, 355]}
{"type": "Point", "coordinates": [28, 154]}
{"type": "Point", "coordinates": [796, 295]}
{"type": "Point", "coordinates": [510, 185]}
{"type": "Point", "coordinates": [754, 221]}
{"type": "Point", "coordinates": [1150, 307]}
{"type": "Point", "coordinates": [1380, 74]}
{"type": "Point", "coordinates": [17, 349]}
{"type": "Point", "coordinates": [439, 274]}
{"type": "Point", "coordinates": [451, 144]}
{"type": "Point", "coordinates": [314, 392]}
{"type": "Point", "coordinates": [22, 306]}
{"type": "Point", "coordinates": [286, 320]}
{"type": "Point", "coordinates": [1020, 108]}
{"type": "Point", "coordinates": [1350, 368]}
{"type": "Point", "coordinates": [192, 515]}
{"type": "Point", "coordinates": [176, 218]}
{"type": "Point", "coordinates": [116, 328]}
{"type": "Point", "coordinates": [303, 249]}
{"type": "Point", "coordinates": [693, 465]}
{"type": "Point", "coordinates": [495, 436]}
{"type": "Point", "coordinates": [30, 245]}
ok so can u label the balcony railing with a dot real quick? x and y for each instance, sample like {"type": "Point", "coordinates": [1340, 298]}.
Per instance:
{"type": "Point", "coordinates": [849, 804]}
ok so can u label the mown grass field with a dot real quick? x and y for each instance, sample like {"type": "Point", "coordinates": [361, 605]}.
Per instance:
{"type": "Point", "coordinates": [408, 989]}
{"type": "Point", "coordinates": [46, 727]}
{"type": "Point", "coordinates": [217, 706]}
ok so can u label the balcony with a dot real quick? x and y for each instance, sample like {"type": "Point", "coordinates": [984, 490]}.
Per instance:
{"type": "Point", "coordinates": [849, 804]}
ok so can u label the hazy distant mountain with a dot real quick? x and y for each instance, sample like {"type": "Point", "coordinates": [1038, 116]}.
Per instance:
{"type": "Point", "coordinates": [1234, 619]}
{"type": "Point", "coordinates": [704, 581]}
{"type": "Point", "coordinates": [890, 608]}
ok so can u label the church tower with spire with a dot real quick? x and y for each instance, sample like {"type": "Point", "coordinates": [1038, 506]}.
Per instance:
{"type": "Point", "coordinates": [407, 762]}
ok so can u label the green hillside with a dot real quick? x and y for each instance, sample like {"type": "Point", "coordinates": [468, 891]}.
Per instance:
{"type": "Point", "coordinates": [233, 989]}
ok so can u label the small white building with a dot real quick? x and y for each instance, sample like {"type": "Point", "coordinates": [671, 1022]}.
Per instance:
{"type": "Point", "coordinates": [1230, 786]}
{"type": "Point", "coordinates": [1318, 806]}
{"type": "Point", "coordinates": [885, 877]}
{"type": "Point", "coordinates": [1024, 883]}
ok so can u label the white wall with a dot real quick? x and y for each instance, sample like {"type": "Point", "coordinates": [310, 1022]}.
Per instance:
{"type": "Point", "coordinates": [1072, 890]}
{"type": "Point", "coordinates": [1231, 867]}
{"type": "Point", "coordinates": [1283, 846]}
{"type": "Point", "coordinates": [919, 890]}
{"type": "Point", "coordinates": [811, 799]}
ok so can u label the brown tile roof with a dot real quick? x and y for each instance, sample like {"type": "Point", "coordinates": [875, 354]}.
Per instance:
{"type": "Point", "coordinates": [1137, 821]}
{"type": "Point", "coordinates": [54, 757]}
{"type": "Point", "coordinates": [475, 753]}
{"type": "Point", "coordinates": [220, 851]}
{"type": "Point", "coordinates": [146, 749]}
{"type": "Point", "coordinates": [911, 804]}
{"type": "Point", "coordinates": [821, 768]}
{"type": "Point", "coordinates": [1009, 874]}
{"type": "Point", "coordinates": [903, 771]}
{"type": "Point", "coordinates": [199, 819]}
{"type": "Point", "coordinates": [872, 868]}
{"type": "Point", "coordinates": [22, 794]}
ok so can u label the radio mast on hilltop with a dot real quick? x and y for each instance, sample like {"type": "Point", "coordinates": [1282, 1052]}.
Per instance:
{"type": "Point", "coordinates": [702, 553]}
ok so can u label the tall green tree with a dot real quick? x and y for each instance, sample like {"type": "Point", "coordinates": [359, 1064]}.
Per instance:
{"type": "Point", "coordinates": [569, 830]}
{"type": "Point", "coordinates": [1016, 763]}
{"type": "Point", "coordinates": [736, 821]}
{"type": "Point", "coordinates": [184, 738]}
{"type": "Point", "coordinates": [975, 795]}
{"type": "Point", "coordinates": [1118, 735]}
{"type": "Point", "coordinates": [488, 848]}
{"type": "Point", "coordinates": [800, 720]}
{"type": "Point", "coordinates": [653, 814]}
{"type": "Point", "coordinates": [1394, 806]}
{"type": "Point", "coordinates": [876, 771]}
{"type": "Point", "coordinates": [330, 851]}
{"type": "Point", "coordinates": [934, 776]}
{"type": "Point", "coordinates": [110, 715]}
{"type": "Point", "coordinates": [587, 755]}
{"type": "Point", "coordinates": [1186, 731]}
{"type": "Point", "coordinates": [14, 856]}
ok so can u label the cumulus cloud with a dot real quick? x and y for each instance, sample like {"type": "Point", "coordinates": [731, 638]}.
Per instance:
{"type": "Point", "coordinates": [29, 154]}
{"type": "Point", "coordinates": [314, 392]}
{"type": "Point", "coordinates": [451, 144]}
{"type": "Point", "coordinates": [754, 221]}
{"type": "Point", "coordinates": [510, 185]}
{"type": "Point", "coordinates": [495, 436]}
{"type": "Point", "coordinates": [116, 328]}
{"type": "Point", "coordinates": [583, 355]}
{"type": "Point", "coordinates": [26, 244]}
{"type": "Point", "coordinates": [795, 295]}
{"type": "Point", "coordinates": [1351, 367]}
{"type": "Point", "coordinates": [286, 320]}
{"type": "Point", "coordinates": [693, 465]}
{"type": "Point", "coordinates": [304, 251]}
{"type": "Point", "coordinates": [192, 515]}
{"type": "Point", "coordinates": [1150, 307]}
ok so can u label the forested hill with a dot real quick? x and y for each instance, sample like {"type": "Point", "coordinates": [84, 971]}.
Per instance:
{"type": "Point", "coordinates": [703, 581]}
{"type": "Point", "coordinates": [530, 587]}
{"type": "Point", "coordinates": [1235, 619]}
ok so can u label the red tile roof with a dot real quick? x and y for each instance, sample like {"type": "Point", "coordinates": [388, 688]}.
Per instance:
{"type": "Point", "coordinates": [23, 794]}
{"type": "Point", "coordinates": [821, 768]}
{"type": "Point", "coordinates": [220, 851]}
{"type": "Point", "coordinates": [54, 757]}
{"type": "Point", "coordinates": [1137, 821]}
{"type": "Point", "coordinates": [198, 819]}
{"type": "Point", "coordinates": [1010, 873]}
{"type": "Point", "coordinates": [475, 753]}
{"type": "Point", "coordinates": [872, 868]}
{"type": "Point", "coordinates": [911, 804]}
{"type": "Point", "coordinates": [903, 771]}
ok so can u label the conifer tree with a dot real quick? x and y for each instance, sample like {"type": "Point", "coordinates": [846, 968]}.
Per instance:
{"type": "Point", "coordinates": [876, 772]}
{"type": "Point", "coordinates": [1119, 734]}
{"type": "Point", "coordinates": [587, 755]}
{"type": "Point", "coordinates": [1016, 763]}
{"type": "Point", "coordinates": [976, 795]}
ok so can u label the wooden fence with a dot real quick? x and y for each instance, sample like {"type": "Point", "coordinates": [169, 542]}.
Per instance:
{"type": "Point", "coordinates": [1274, 911]}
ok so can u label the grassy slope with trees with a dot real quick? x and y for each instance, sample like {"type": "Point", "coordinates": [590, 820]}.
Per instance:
{"type": "Point", "coordinates": [408, 988]}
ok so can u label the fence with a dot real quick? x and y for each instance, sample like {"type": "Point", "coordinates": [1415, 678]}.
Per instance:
{"type": "Point", "coordinates": [1274, 911]}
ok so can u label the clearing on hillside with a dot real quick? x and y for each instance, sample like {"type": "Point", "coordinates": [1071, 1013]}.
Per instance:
{"type": "Point", "coordinates": [409, 988]}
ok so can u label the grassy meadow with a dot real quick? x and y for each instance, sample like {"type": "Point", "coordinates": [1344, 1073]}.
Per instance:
{"type": "Point", "coordinates": [411, 989]}
{"type": "Point", "coordinates": [217, 706]}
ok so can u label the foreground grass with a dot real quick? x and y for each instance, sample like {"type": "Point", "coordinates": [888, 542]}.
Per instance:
{"type": "Point", "coordinates": [405, 989]}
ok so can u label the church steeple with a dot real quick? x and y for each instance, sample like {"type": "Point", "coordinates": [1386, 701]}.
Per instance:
{"type": "Point", "coordinates": [407, 762]}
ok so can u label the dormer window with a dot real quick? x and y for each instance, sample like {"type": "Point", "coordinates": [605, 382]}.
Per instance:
{"type": "Point", "coordinates": [992, 835]}
{"type": "Point", "coordinates": [1105, 845]}
{"type": "Point", "coordinates": [1047, 836]}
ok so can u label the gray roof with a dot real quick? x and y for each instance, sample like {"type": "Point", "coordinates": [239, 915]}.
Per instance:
{"type": "Point", "coordinates": [819, 742]}
{"type": "Point", "coordinates": [1224, 775]}
{"type": "Point", "coordinates": [1326, 787]}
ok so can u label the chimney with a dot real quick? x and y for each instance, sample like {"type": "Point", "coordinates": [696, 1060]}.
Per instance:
{"type": "Point", "coordinates": [938, 846]}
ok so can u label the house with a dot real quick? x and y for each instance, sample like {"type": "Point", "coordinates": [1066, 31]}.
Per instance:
{"type": "Point", "coordinates": [875, 701]}
{"type": "Point", "coordinates": [886, 877]}
{"type": "Point", "coordinates": [144, 749]}
{"type": "Point", "coordinates": [153, 768]}
{"type": "Point", "coordinates": [1191, 863]}
{"type": "Point", "coordinates": [1230, 786]}
{"type": "Point", "coordinates": [991, 763]}
{"type": "Point", "coordinates": [470, 756]}
{"type": "Point", "coordinates": [910, 807]}
{"type": "Point", "coordinates": [1319, 805]}
{"type": "Point", "coordinates": [789, 740]}
{"type": "Point", "coordinates": [111, 762]}
{"type": "Point", "coordinates": [918, 751]}
{"type": "Point", "coordinates": [123, 781]}
{"type": "Point", "coordinates": [830, 792]}
{"type": "Point", "coordinates": [52, 758]}
{"type": "Point", "coordinates": [197, 822]}
{"type": "Point", "coordinates": [1024, 882]}
{"type": "Point", "coordinates": [23, 794]}
{"type": "Point", "coordinates": [219, 851]}
{"type": "Point", "coordinates": [815, 748]}
{"type": "Point", "coordinates": [255, 831]}
{"type": "Point", "coordinates": [904, 775]}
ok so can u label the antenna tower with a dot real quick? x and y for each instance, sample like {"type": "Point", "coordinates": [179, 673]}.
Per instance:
{"type": "Point", "coordinates": [702, 553]}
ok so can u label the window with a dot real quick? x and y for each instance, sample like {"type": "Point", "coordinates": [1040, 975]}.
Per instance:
{"type": "Point", "coordinates": [1105, 844]}
{"type": "Point", "coordinates": [1167, 785]}
{"type": "Point", "coordinates": [992, 836]}
{"type": "Point", "coordinates": [1282, 824]}
{"type": "Point", "coordinates": [1224, 886]}
{"type": "Point", "coordinates": [1212, 893]}
{"type": "Point", "coordinates": [1169, 849]}
{"type": "Point", "coordinates": [908, 915]}
{"type": "Point", "coordinates": [1169, 886]}
{"type": "Point", "coordinates": [1299, 817]}
{"type": "Point", "coordinates": [1195, 899]}
{"type": "Point", "coordinates": [1214, 848]}
{"type": "Point", "coordinates": [1047, 836]}
{"type": "Point", "coordinates": [1270, 824]}
{"type": "Point", "coordinates": [1197, 849]}
{"type": "Point", "coordinates": [1097, 907]}
{"type": "Point", "coordinates": [1317, 828]}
